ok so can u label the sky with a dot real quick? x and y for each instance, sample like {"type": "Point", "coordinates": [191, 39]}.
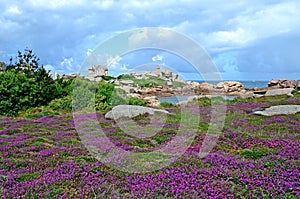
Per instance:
{"type": "Point", "coordinates": [245, 40]}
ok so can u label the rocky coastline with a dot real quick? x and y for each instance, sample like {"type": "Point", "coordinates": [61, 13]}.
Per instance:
{"type": "Point", "coordinates": [223, 88]}
{"type": "Point", "coordinates": [226, 88]}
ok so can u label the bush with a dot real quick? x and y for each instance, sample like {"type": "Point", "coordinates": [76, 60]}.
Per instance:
{"type": "Point", "coordinates": [167, 105]}
{"type": "Point", "coordinates": [37, 112]}
{"type": "Point", "coordinates": [136, 101]}
{"type": "Point", "coordinates": [119, 97]}
{"type": "Point", "coordinates": [101, 103]}
{"type": "Point", "coordinates": [107, 78]}
{"type": "Point", "coordinates": [144, 83]}
{"type": "Point", "coordinates": [295, 91]}
{"type": "Point", "coordinates": [25, 85]}
{"type": "Point", "coordinates": [17, 92]}
{"type": "Point", "coordinates": [83, 94]}
{"type": "Point", "coordinates": [61, 104]}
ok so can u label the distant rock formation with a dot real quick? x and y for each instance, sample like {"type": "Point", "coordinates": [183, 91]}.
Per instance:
{"type": "Point", "coordinates": [227, 88]}
{"type": "Point", "coordinates": [281, 83]}
{"type": "Point", "coordinates": [231, 86]}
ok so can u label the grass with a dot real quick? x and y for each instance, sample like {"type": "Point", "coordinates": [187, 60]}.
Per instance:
{"type": "Point", "coordinates": [254, 156]}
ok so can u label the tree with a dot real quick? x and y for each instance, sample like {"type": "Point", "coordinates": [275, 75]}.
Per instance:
{"type": "Point", "coordinates": [25, 84]}
{"type": "Point", "coordinates": [17, 92]}
{"type": "Point", "coordinates": [26, 62]}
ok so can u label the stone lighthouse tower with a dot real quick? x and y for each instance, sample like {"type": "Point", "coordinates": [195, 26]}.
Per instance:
{"type": "Point", "coordinates": [158, 70]}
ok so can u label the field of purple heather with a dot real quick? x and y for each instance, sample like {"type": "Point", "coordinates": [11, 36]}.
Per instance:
{"type": "Point", "coordinates": [254, 157]}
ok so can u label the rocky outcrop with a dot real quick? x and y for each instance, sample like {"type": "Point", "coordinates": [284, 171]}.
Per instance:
{"type": "Point", "coordinates": [193, 84]}
{"type": "Point", "coordinates": [130, 111]}
{"type": "Point", "coordinates": [127, 83]}
{"type": "Point", "coordinates": [281, 83]}
{"type": "Point", "coordinates": [225, 88]}
{"type": "Point", "coordinates": [246, 96]}
{"type": "Point", "coordinates": [152, 101]}
{"type": "Point", "coordinates": [297, 84]}
{"type": "Point", "coordinates": [230, 86]}
{"type": "Point", "coordinates": [279, 110]}
{"type": "Point", "coordinates": [279, 91]}
{"type": "Point", "coordinates": [205, 87]}
{"type": "Point", "coordinates": [233, 88]}
{"type": "Point", "coordinates": [170, 84]}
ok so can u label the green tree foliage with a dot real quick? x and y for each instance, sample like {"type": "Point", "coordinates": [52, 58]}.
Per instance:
{"type": "Point", "coordinates": [100, 97]}
{"type": "Point", "coordinates": [61, 104]}
{"type": "Point", "coordinates": [25, 85]}
{"type": "Point", "coordinates": [119, 97]}
{"type": "Point", "coordinates": [136, 101]}
{"type": "Point", "coordinates": [26, 62]}
{"type": "Point", "coordinates": [17, 92]}
{"type": "Point", "coordinates": [83, 94]}
{"type": "Point", "coordinates": [103, 96]}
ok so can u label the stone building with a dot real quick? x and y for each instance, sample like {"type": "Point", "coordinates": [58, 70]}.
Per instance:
{"type": "Point", "coordinates": [157, 70]}
{"type": "Point", "coordinates": [95, 73]}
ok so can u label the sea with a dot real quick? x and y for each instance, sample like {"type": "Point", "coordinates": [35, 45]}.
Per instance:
{"type": "Point", "coordinates": [246, 84]}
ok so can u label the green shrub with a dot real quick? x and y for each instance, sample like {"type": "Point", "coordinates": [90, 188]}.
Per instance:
{"type": "Point", "coordinates": [64, 103]}
{"type": "Point", "coordinates": [136, 101]}
{"type": "Point", "coordinates": [254, 154]}
{"type": "Point", "coordinates": [26, 85]}
{"type": "Point", "coordinates": [105, 89]}
{"type": "Point", "coordinates": [37, 112]}
{"type": "Point", "coordinates": [83, 94]}
{"type": "Point", "coordinates": [101, 103]}
{"type": "Point", "coordinates": [107, 78]}
{"type": "Point", "coordinates": [167, 105]}
{"type": "Point", "coordinates": [17, 93]}
{"type": "Point", "coordinates": [144, 83]}
{"type": "Point", "coordinates": [119, 97]}
{"type": "Point", "coordinates": [204, 101]}
{"type": "Point", "coordinates": [295, 91]}
{"type": "Point", "coordinates": [118, 100]}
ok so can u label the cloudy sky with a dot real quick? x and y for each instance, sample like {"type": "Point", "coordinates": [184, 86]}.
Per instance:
{"type": "Point", "coordinates": [246, 39]}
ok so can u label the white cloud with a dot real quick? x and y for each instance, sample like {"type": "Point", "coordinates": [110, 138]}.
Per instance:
{"type": "Point", "coordinates": [103, 4]}
{"type": "Point", "coordinates": [255, 25]}
{"type": "Point", "coordinates": [113, 61]}
{"type": "Point", "coordinates": [89, 52]}
{"type": "Point", "coordinates": [59, 29]}
{"type": "Point", "coordinates": [14, 10]}
{"type": "Point", "coordinates": [239, 36]}
{"type": "Point", "coordinates": [49, 67]}
{"type": "Point", "coordinates": [67, 63]}
{"type": "Point", "coordinates": [55, 4]}
{"type": "Point", "coordinates": [124, 67]}
{"type": "Point", "coordinates": [157, 58]}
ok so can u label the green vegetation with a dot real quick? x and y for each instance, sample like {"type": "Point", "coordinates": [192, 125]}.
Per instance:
{"type": "Point", "coordinates": [100, 96]}
{"type": "Point", "coordinates": [25, 85]}
{"type": "Point", "coordinates": [28, 90]}
{"type": "Point", "coordinates": [150, 82]}
{"type": "Point", "coordinates": [253, 156]}
{"type": "Point", "coordinates": [167, 105]}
